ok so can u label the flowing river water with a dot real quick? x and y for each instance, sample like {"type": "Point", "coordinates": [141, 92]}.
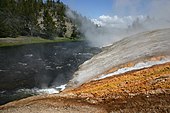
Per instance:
{"type": "Point", "coordinates": [33, 69]}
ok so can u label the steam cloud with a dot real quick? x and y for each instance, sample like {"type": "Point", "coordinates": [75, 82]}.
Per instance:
{"type": "Point", "coordinates": [126, 22]}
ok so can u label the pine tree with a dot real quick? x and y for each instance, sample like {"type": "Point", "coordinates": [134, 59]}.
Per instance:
{"type": "Point", "coordinates": [75, 33]}
{"type": "Point", "coordinates": [49, 24]}
{"type": "Point", "coordinates": [8, 19]}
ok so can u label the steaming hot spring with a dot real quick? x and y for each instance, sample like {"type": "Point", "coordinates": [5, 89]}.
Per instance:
{"type": "Point", "coordinates": [131, 75]}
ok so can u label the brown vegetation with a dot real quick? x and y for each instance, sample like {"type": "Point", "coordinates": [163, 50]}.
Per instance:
{"type": "Point", "coordinates": [144, 90]}
{"type": "Point", "coordinates": [130, 83]}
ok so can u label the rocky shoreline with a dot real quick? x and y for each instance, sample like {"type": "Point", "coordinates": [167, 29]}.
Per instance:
{"type": "Point", "coordinates": [144, 90]}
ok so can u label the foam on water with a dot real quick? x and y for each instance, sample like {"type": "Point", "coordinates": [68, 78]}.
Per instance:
{"type": "Point", "coordinates": [47, 91]}
{"type": "Point", "coordinates": [52, 90]}
{"type": "Point", "coordinates": [43, 91]}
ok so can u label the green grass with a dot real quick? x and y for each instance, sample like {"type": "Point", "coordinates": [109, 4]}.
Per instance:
{"type": "Point", "coordinates": [4, 42]}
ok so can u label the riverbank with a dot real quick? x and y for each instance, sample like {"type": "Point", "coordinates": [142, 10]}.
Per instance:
{"type": "Point", "coordinates": [23, 40]}
{"type": "Point", "coordinates": [144, 90]}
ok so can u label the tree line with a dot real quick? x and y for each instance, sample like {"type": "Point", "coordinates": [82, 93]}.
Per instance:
{"type": "Point", "coordinates": [41, 18]}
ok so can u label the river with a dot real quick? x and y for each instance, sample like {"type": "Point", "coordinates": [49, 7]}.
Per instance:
{"type": "Point", "coordinates": [26, 69]}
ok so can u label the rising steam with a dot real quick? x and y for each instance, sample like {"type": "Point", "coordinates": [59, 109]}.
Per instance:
{"type": "Point", "coordinates": [110, 29]}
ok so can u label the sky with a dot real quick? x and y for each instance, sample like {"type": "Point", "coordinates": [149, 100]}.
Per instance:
{"type": "Point", "coordinates": [90, 8]}
{"type": "Point", "coordinates": [120, 18]}
{"type": "Point", "coordinates": [120, 12]}
{"type": "Point", "coordinates": [95, 8]}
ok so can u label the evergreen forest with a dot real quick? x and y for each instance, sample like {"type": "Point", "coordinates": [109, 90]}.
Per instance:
{"type": "Point", "coordinates": [38, 18]}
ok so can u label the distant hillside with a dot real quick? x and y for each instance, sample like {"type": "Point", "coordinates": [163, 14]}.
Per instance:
{"type": "Point", "coordinates": [47, 19]}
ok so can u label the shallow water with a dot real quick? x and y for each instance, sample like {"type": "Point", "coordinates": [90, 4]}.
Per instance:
{"type": "Point", "coordinates": [33, 69]}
